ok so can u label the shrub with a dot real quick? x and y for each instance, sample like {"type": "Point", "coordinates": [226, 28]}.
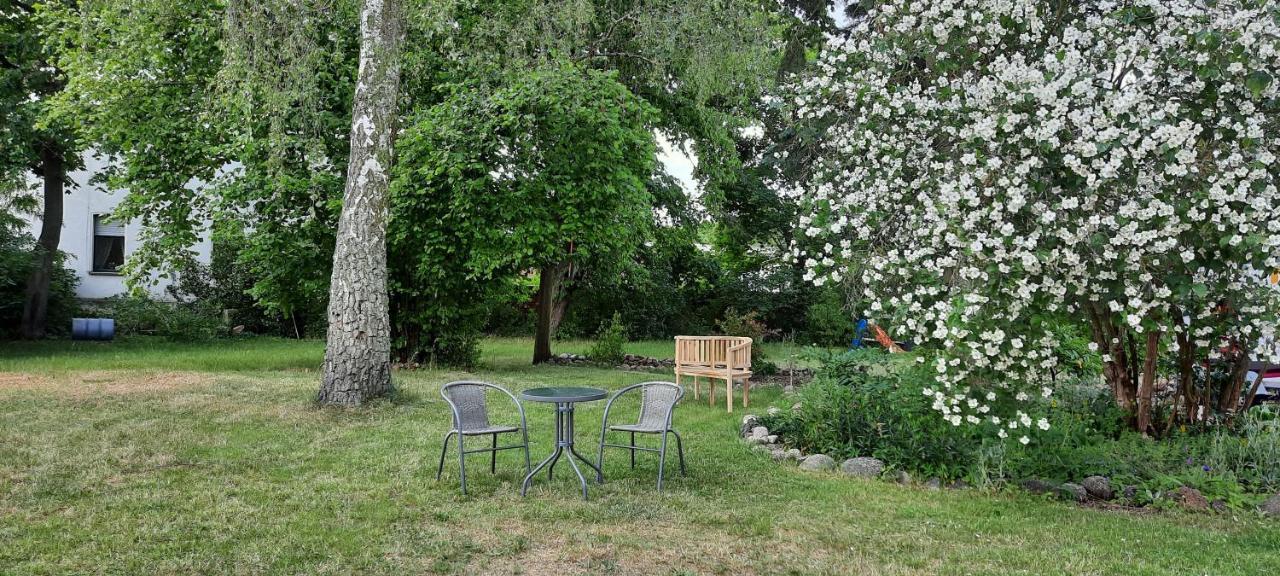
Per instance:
{"type": "Point", "coordinates": [609, 342]}
{"type": "Point", "coordinates": [17, 259]}
{"type": "Point", "coordinates": [869, 403]}
{"type": "Point", "coordinates": [177, 321]}
{"type": "Point", "coordinates": [827, 320]}
{"type": "Point", "coordinates": [735, 324]}
{"type": "Point", "coordinates": [1251, 450]}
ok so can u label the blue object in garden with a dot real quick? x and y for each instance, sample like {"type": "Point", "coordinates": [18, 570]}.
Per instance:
{"type": "Point", "coordinates": [858, 334]}
{"type": "Point", "coordinates": [93, 328]}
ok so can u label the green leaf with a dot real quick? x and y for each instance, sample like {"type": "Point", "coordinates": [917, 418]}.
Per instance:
{"type": "Point", "coordinates": [1257, 81]}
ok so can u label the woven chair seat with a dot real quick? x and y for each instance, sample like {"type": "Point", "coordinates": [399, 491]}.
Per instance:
{"type": "Point", "coordinates": [488, 430]}
{"type": "Point", "coordinates": [637, 428]}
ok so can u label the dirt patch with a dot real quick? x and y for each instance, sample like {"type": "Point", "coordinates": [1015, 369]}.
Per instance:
{"type": "Point", "coordinates": [98, 383]}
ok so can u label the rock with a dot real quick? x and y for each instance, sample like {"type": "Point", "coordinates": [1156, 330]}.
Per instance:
{"type": "Point", "coordinates": [1218, 506]}
{"type": "Point", "coordinates": [902, 477]}
{"type": "Point", "coordinates": [757, 440]}
{"type": "Point", "coordinates": [760, 448]}
{"type": "Point", "coordinates": [1190, 498]}
{"type": "Point", "coordinates": [818, 462]}
{"type": "Point", "coordinates": [1130, 492]}
{"type": "Point", "coordinates": [772, 438]}
{"type": "Point", "coordinates": [1037, 486]}
{"type": "Point", "coordinates": [958, 485]}
{"type": "Point", "coordinates": [749, 422]}
{"type": "Point", "coordinates": [778, 454]}
{"type": "Point", "coordinates": [862, 467]}
{"type": "Point", "coordinates": [795, 454]}
{"type": "Point", "coordinates": [1072, 491]}
{"type": "Point", "coordinates": [933, 484]}
{"type": "Point", "coordinates": [238, 329]}
{"type": "Point", "coordinates": [759, 432]}
{"type": "Point", "coordinates": [1271, 507]}
{"type": "Point", "coordinates": [1098, 487]}
{"type": "Point", "coordinates": [773, 410]}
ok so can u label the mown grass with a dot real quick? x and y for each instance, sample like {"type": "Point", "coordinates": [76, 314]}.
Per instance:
{"type": "Point", "coordinates": [146, 457]}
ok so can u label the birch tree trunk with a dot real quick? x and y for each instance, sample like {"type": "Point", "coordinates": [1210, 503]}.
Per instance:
{"type": "Point", "coordinates": [35, 308]}
{"type": "Point", "coordinates": [357, 356]}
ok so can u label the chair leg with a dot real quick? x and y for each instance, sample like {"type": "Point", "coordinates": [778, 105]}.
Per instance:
{"type": "Point", "coordinates": [600, 455]}
{"type": "Point", "coordinates": [680, 451]}
{"type": "Point", "coordinates": [493, 456]}
{"type": "Point", "coordinates": [711, 393]}
{"type": "Point", "coordinates": [662, 459]}
{"type": "Point", "coordinates": [746, 391]}
{"type": "Point", "coordinates": [444, 449]}
{"type": "Point", "coordinates": [728, 392]}
{"type": "Point", "coordinates": [462, 463]}
{"type": "Point", "coordinates": [633, 450]}
{"type": "Point", "coordinates": [527, 464]}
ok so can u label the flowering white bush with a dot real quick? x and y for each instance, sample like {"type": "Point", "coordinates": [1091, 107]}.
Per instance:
{"type": "Point", "coordinates": [988, 164]}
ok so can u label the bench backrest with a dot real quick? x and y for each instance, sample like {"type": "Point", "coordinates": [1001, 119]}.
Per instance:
{"type": "Point", "coordinates": [714, 351]}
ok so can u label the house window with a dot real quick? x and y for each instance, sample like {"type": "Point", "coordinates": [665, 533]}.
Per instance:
{"type": "Point", "coordinates": [108, 244]}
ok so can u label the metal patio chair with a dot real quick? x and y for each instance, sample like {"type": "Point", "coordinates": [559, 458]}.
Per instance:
{"type": "Point", "coordinates": [471, 418]}
{"type": "Point", "coordinates": [657, 402]}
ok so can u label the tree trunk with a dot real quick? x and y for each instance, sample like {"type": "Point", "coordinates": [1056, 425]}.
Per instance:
{"type": "Point", "coordinates": [1186, 374]}
{"type": "Point", "coordinates": [1253, 390]}
{"type": "Point", "coordinates": [35, 308]}
{"type": "Point", "coordinates": [1230, 399]}
{"type": "Point", "coordinates": [550, 279]}
{"type": "Point", "coordinates": [1117, 370]}
{"type": "Point", "coordinates": [357, 357]}
{"type": "Point", "coordinates": [1146, 388]}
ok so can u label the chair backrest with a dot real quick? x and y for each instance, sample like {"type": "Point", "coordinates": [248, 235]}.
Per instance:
{"type": "Point", "coordinates": [468, 401]}
{"type": "Point", "coordinates": [657, 400]}
{"type": "Point", "coordinates": [714, 351]}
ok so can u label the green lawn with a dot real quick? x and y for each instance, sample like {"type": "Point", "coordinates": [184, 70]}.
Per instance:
{"type": "Point", "coordinates": [147, 457]}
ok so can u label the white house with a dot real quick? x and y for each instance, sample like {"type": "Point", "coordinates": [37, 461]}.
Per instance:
{"type": "Point", "coordinates": [95, 245]}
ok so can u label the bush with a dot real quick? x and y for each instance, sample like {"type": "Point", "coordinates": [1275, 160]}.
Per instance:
{"type": "Point", "coordinates": [828, 322]}
{"type": "Point", "coordinates": [735, 324]}
{"type": "Point", "coordinates": [177, 321]}
{"type": "Point", "coordinates": [1250, 450]}
{"type": "Point", "coordinates": [869, 403]}
{"type": "Point", "coordinates": [17, 260]}
{"type": "Point", "coordinates": [609, 342]}
{"type": "Point", "coordinates": [226, 284]}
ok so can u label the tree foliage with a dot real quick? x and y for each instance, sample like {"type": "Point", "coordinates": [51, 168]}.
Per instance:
{"type": "Point", "coordinates": [551, 167]}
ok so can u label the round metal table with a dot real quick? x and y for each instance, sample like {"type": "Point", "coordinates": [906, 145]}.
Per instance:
{"type": "Point", "coordinates": [564, 398]}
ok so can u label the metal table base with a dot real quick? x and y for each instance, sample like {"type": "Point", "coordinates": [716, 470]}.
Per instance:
{"type": "Point", "coordinates": [564, 444]}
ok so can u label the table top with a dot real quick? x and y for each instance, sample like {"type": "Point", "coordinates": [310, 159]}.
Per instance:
{"type": "Point", "coordinates": [561, 394]}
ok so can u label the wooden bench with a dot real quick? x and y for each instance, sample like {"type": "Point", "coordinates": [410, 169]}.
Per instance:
{"type": "Point", "coordinates": [725, 358]}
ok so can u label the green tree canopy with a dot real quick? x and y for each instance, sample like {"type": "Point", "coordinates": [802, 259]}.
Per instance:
{"type": "Point", "coordinates": [548, 170]}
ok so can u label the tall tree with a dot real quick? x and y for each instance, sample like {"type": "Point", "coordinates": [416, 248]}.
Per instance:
{"type": "Point", "coordinates": [357, 358]}
{"type": "Point", "coordinates": [545, 171]}
{"type": "Point", "coordinates": [34, 138]}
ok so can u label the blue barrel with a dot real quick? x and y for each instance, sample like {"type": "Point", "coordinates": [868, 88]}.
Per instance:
{"type": "Point", "coordinates": [93, 328]}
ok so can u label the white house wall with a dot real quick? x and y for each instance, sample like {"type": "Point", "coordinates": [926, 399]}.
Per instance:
{"type": "Point", "coordinates": [82, 201]}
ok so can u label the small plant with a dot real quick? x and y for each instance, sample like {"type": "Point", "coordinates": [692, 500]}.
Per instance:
{"type": "Point", "coordinates": [1251, 451]}
{"type": "Point", "coordinates": [609, 342]}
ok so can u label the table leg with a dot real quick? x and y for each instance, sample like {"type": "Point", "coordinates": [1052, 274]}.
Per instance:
{"type": "Point", "coordinates": [564, 443]}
